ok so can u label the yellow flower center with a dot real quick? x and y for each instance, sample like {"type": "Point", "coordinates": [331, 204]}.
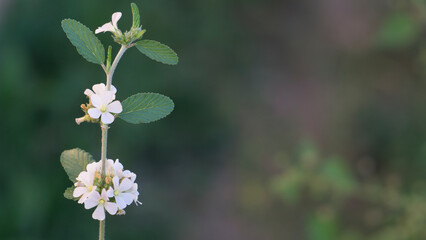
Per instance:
{"type": "Point", "coordinates": [90, 188]}
{"type": "Point", "coordinates": [101, 201]}
{"type": "Point", "coordinates": [116, 192]}
{"type": "Point", "coordinates": [103, 108]}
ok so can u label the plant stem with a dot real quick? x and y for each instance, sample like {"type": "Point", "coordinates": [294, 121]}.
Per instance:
{"type": "Point", "coordinates": [102, 230]}
{"type": "Point", "coordinates": [105, 127]}
{"type": "Point", "coordinates": [114, 65]}
{"type": "Point", "coordinates": [103, 159]}
{"type": "Point", "coordinates": [104, 141]}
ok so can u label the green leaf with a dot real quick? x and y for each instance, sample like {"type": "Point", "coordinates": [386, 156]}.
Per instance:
{"type": "Point", "coordinates": [157, 51]}
{"type": "Point", "coordinates": [68, 193]}
{"type": "Point", "coordinates": [146, 107]}
{"type": "Point", "coordinates": [87, 44]}
{"type": "Point", "coordinates": [74, 161]}
{"type": "Point", "coordinates": [136, 16]}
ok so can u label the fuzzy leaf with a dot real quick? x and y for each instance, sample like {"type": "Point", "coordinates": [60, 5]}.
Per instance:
{"type": "Point", "coordinates": [157, 51]}
{"type": "Point", "coordinates": [146, 107]}
{"type": "Point", "coordinates": [68, 193]}
{"type": "Point", "coordinates": [74, 161]}
{"type": "Point", "coordinates": [87, 44]}
{"type": "Point", "coordinates": [136, 16]}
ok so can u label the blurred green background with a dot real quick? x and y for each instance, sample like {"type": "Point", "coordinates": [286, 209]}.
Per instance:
{"type": "Point", "coordinates": [294, 119]}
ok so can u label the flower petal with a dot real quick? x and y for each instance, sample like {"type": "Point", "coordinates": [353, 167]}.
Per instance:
{"type": "Point", "coordinates": [99, 88]}
{"type": "Point", "coordinates": [86, 178]}
{"type": "Point", "coordinates": [99, 213]}
{"type": "Point", "coordinates": [88, 92]}
{"type": "Point", "coordinates": [84, 197]}
{"type": "Point", "coordinates": [118, 166]}
{"type": "Point", "coordinates": [94, 113]}
{"type": "Point", "coordinates": [111, 207]}
{"type": "Point", "coordinates": [106, 27]}
{"type": "Point", "coordinates": [107, 118]}
{"type": "Point", "coordinates": [110, 167]}
{"type": "Point", "coordinates": [93, 167]}
{"type": "Point", "coordinates": [96, 100]}
{"type": "Point", "coordinates": [115, 107]}
{"type": "Point", "coordinates": [116, 182]}
{"type": "Point", "coordinates": [79, 191]}
{"type": "Point", "coordinates": [127, 197]}
{"type": "Point", "coordinates": [107, 97]}
{"type": "Point", "coordinates": [121, 203]}
{"type": "Point", "coordinates": [104, 195]}
{"type": "Point", "coordinates": [113, 89]}
{"type": "Point", "coordinates": [92, 200]}
{"type": "Point", "coordinates": [115, 17]}
{"type": "Point", "coordinates": [125, 185]}
{"type": "Point", "coordinates": [110, 192]}
{"type": "Point", "coordinates": [130, 175]}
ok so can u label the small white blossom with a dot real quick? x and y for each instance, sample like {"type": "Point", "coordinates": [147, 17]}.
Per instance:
{"type": "Point", "coordinates": [111, 26]}
{"type": "Point", "coordinates": [85, 182]}
{"type": "Point", "coordinates": [121, 194]}
{"type": "Point", "coordinates": [102, 202]}
{"type": "Point", "coordinates": [103, 103]}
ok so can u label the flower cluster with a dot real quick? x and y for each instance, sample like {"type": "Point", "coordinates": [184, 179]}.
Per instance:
{"type": "Point", "coordinates": [112, 192]}
{"type": "Point", "coordinates": [102, 105]}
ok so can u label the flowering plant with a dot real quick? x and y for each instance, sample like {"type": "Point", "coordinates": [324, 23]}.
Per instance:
{"type": "Point", "coordinates": [104, 184]}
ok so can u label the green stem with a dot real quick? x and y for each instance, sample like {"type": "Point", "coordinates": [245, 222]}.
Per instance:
{"type": "Point", "coordinates": [104, 141]}
{"type": "Point", "coordinates": [105, 127]}
{"type": "Point", "coordinates": [114, 65]}
{"type": "Point", "coordinates": [102, 230]}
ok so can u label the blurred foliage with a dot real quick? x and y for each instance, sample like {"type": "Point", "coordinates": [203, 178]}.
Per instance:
{"type": "Point", "coordinates": [322, 179]}
{"type": "Point", "coordinates": [398, 30]}
{"type": "Point", "coordinates": [337, 199]}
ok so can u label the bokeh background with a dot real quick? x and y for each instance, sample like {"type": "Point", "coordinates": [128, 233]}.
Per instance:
{"type": "Point", "coordinates": [294, 119]}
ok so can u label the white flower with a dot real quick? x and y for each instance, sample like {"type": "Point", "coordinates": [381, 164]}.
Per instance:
{"type": "Point", "coordinates": [104, 104]}
{"type": "Point", "coordinates": [99, 89]}
{"type": "Point", "coordinates": [102, 202]}
{"type": "Point", "coordinates": [84, 187]}
{"type": "Point", "coordinates": [121, 194]}
{"type": "Point", "coordinates": [111, 26]}
{"type": "Point", "coordinates": [84, 184]}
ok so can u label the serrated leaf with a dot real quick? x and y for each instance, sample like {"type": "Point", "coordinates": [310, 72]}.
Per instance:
{"type": "Point", "coordinates": [74, 161]}
{"type": "Point", "coordinates": [68, 194]}
{"type": "Point", "coordinates": [87, 44]}
{"type": "Point", "coordinates": [157, 51]}
{"type": "Point", "coordinates": [136, 16]}
{"type": "Point", "coordinates": [146, 107]}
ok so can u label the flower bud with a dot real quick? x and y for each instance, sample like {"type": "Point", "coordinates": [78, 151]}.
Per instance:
{"type": "Point", "coordinates": [85, 118]}
{"type": "Point", "coordinates": [121, 212]}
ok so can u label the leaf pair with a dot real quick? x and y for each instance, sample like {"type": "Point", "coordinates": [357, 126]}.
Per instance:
{"type": "Point", "coordinates": [91, 48]}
